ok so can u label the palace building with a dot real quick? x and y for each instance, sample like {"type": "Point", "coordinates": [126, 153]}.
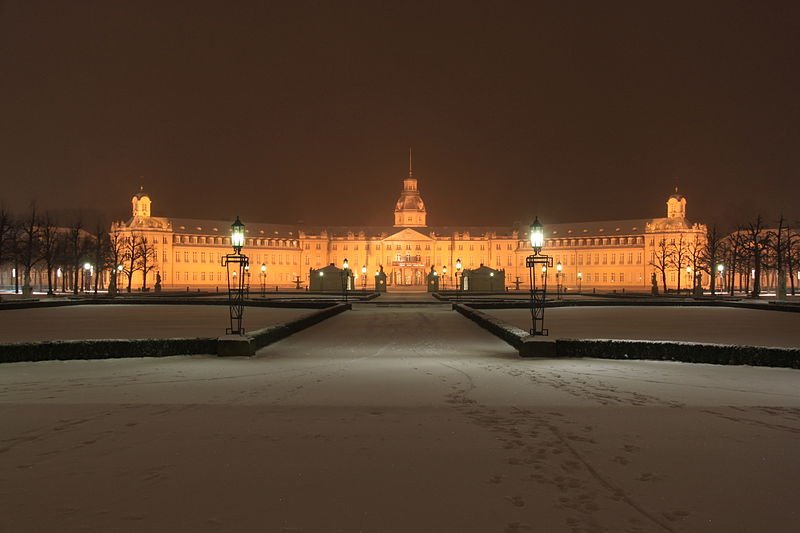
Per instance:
{"type": "Point", "coordinates": [616, 254]}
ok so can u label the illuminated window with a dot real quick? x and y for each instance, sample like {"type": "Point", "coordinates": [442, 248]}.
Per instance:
{"type": "Point", "coordinates": [177, 257]}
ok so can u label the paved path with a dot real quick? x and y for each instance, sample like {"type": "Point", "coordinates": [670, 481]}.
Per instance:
{"type": "Point", "coordinates": [397, 420]}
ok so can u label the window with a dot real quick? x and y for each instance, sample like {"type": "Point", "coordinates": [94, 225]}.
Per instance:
{"type": "Point", "coordinates": [622, 277]}
{"type": "Point", "coordinates": [630, 259]}
{"type": "Point", "coordinates": [202, 257]}
{"type": "Point", "coordinates": [613, 259]}
{"type": "Point", "coordinates": [194, 257]}
{"type": "Point", "coordinates": [612, 277]}
{"type": "Point", "coordinates": [177, 257]}
{"type": "Point", "coordinates": [605, 277]}
{"type": "Point", "coordinates": [604, 258]}
{"type": "Point", "coordinates": [639, 258]}
{"type": "Point", "coordinates": [185, 257]}
{"type": "Point", "coordinates": [202, 276]}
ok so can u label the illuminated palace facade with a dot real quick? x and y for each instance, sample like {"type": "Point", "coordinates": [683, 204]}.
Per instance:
{"type": "Point", "coordinates": [604, 255]}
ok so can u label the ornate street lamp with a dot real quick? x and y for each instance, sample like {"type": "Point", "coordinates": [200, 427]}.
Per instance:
{"type": "Point", "coordinates": [444, 276]}
{"type": "Point", "coordinates": [538, 295]}
{"type": "Point", "coordinates": [364, 278]}
{"type": "Point", "coordinates": [237, 264]}
{"type": "Point", "coordinates": [263, 279]}
{"type": "Point", "coordinates": [458, 285]}
{"type": "Point", "coordinates": [720, 274]}
{"type": "Point", "coordinates": [580, 279]}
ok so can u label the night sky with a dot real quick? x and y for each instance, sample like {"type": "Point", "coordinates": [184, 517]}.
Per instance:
{"type": "Point", "coordinates": [305, 110]}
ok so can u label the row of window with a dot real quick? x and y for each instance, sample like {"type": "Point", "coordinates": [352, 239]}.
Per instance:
{"type": "Point", "coordinates": [273, 243]}
{"type": "Point", "coordinates": [598, 241]}
{"type": "Point", "coordinates": [599, 259]}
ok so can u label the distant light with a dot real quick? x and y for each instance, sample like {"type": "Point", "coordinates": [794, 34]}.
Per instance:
{"type": "Point", "coordinates": [491, 274]}
{"type": "Point", "coordinates": [120, 268]}
{"type": "Point", "coordinates": [458, 265]}
{"type": "Point", "coordinates": [544, 269]}
{"type": "Point", "coordinates": [58, 272]}
{"type": "Point", "coordinates": [345, 264]}
{"type": "Point", "coordinates": [263, 267]}
{"type": "Point", "coordinates": [364, 270]}
{"type": "Point", "coordinates": [721, 268]}
{"type": "Point", "coordinates": [87, 266]}
{"type": "Point", "coordinates": [580, 275]}
{"type": "Point", "coordinates": [688, 270]}
{"type": "Point", "coordinates": [321, 273]}
{"type": "Point", "coordinates": [558, 266]}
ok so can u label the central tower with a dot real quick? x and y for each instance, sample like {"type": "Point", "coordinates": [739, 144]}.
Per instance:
{"type": "Point", "coordinates": [409, 212]}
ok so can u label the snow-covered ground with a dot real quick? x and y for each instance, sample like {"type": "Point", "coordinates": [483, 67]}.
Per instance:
{"type": "Point", "coordinates": [120, 321]}
{"type": "Point", "coordinates": [397, 420]}
{"type": "Point", "coordinates": [698, 324]}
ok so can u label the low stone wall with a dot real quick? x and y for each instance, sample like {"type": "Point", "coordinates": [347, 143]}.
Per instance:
{"type": "Point", "coordinates": [689, 352]}
{"type": "Point", "coordinates": [266, 336]}
{"type": "Point", "coordinates": [119, 348]}
{"type": "Point", "coordinates": [103, 349]}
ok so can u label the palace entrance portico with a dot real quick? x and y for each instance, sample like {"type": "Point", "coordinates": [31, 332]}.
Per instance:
{"type": "Point", "coordinates": [408, 271]}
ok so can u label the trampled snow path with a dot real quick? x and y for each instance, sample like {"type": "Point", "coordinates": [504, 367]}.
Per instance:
{"type": "Point", "coordinates": [398, 420]}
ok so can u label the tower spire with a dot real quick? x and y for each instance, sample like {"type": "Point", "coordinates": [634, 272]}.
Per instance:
{"type": "Point", "coordinates": [410, 171]}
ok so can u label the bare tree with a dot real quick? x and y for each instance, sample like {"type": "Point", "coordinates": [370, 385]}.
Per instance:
{"type": "Point", "coordinates": [114, 256]}
{"type": "Point", "coordinates": [711, 254]}
{"type": "Point", "coordinates": [778, 250]}
{"type": "Point", "coordinates": [130, 257]}
{"type": "Point", "coordinates": [694, 250]}
{"type": "Point", "coordinates": [661, 260]}
{"type": "Point", "coordinates": [757, 242]}
{"type": "Point", "coordinates": [679, 256]}
{"type": "Point", "coordinates": [6, 227]}
{"type": "Point", "coordinates": [29, 247]}
{"type": "Point", "coordinates": [76, 249]}
{"type": "Point", "coordinates": [49, 241]}
{"type": "Point", "coordinates": [99, 246]}
{"type": "Point", "coordinates": [792, 255]}
{"type": "Point", "coordinates": [146, 260]}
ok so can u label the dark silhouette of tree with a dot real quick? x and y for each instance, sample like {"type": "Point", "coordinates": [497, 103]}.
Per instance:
{"type": "Point", "coordinates": [757, 242]}
{"type": "Point", "coordinates": [778, 251]}
{"type": "Point", "coordinates": [30, 247]}
{"type": "Point", "coordinates": [114, 256]}
{"type": "Point", "coordinates": [146, 259]}
{"type": "Point", "coordinates": [99, 245]}
{"type": "Point", "coordinates": [76, 250]}
{"type": "Point", "coordinates": [711, 254]}
{"type": "Point", "coordinates": [661, 260]}
{"type": "Point", "coordinates": [130, 257]}
{"type": "Point", "coordinates": [678, 256]}
{"type": "Point", "coordinates": [792, 255]}
{"type": "Point", "coordinates": [49, 241]}
{"type": "Point", "coordinates": [6, 229]}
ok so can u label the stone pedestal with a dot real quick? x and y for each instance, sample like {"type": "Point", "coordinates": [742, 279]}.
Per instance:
{"type": "Point", "coordinates": [235, 345]}
{"type": "Point", "coordinates": [537, 346]}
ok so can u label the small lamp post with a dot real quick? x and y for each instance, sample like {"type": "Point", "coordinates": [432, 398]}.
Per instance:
{"type": "Point", "coordinates": [87, 267]}
{"type": "Point", "coordinates": [237, 264]}
{"type": "Point", "coordinates": [364, 278]}
{"type": "Point", "coordinates": [720, 274]}
{"type": "Point", "coordinates": [345, 280]}
{"type": "Point", "coordinates": [263, 279]}
{"type": "Point", "coordinates": [458, 285]}
{"type": "Point", "coordinates": [247, 271]}
{"type": "Point", "coordinates": [559, 281]}
{"type": "Point", "coordinates": [580, 279]}
{"type": "Point", "coordinates": [444, 276]}
{"type": "Point", "coordinates": [689, 275]}
{"type": "Point", "coordinates": [538, 295]}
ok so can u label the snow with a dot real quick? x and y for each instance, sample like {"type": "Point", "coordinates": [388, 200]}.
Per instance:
{"type": "Point", "coordinates": [723, 325]}
{"type": "Point", "coordinates": [132, 321]}
{"type": "Point", "coordinates": [397, 420]}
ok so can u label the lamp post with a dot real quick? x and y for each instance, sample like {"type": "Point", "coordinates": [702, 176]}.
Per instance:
{"type": "Point", "coordinates": [444, 276]}
{"type": "Point", "coordinates": [263, 279]}
{"type": "Point", "coordinates": [689, 275]}
{"type": "Point", "coordinates": [345, 268]}
{"type": "Point", "coordinates": [720, 275]}
{"type": "Point", "coordinates": [87, 279]}
{"type": "Point", "coordinates": [247, 271]}
{"type": "Point", "coordinates": [363, 278]}
{"type": "Point", "coordinates": [538, 295]}
{"type": "Point", "coordinates": [559, 281]}
{"type": "Point", "coordinates": [237, 264]}
{"type": "Point", "coordinates": [458, 285]}
{"type": "Point", "coordinates": [580, 279]}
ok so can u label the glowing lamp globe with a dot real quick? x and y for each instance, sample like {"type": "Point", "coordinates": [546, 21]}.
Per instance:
{"type": "Point", "coordinates": [537, 235]}
{"type": "Point", "coordinates": [237, 235]}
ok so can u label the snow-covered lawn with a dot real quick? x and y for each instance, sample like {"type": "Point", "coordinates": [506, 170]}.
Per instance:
{"type": "Point", "coordinates": [698, 324]}
{"type": "Point", "coordinates": [120, 321]}
{"type": "Point", "coordinates": [397, 420]}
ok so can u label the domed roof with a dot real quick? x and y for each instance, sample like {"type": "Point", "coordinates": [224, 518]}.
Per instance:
{"type": "Point", "coordinates": [676, 195]}
{"type": "Point", "coordinates": [408, 202]}
{"type": "Point", "coordinates": [141, 194]}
